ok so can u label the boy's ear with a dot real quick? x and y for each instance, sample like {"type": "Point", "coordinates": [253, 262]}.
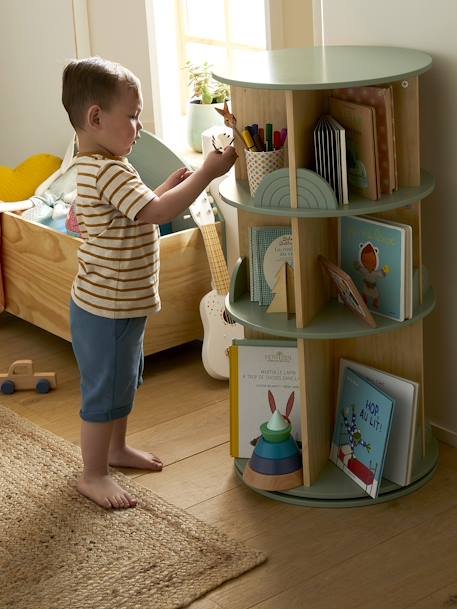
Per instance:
{"type": "Point", "coordinates": [94, 117]}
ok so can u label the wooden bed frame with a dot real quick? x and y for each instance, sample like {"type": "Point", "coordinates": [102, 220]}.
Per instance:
{"type": "Point", "coordinates": [39, 264]}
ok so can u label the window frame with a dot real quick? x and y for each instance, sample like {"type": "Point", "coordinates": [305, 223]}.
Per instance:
{"type": "Point", "coordinates": [184, 38]}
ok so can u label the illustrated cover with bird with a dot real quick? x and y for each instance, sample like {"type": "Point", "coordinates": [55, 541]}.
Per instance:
{"type": "Point", "coordinates": [361, 432]}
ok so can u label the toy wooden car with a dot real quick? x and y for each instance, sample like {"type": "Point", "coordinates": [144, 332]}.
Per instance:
{"type": "Point", "coordinates": [21, 376]}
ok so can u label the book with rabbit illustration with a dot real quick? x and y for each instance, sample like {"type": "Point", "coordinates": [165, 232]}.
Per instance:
{"type": "Point", "coordinates": [361, 431]}
{"type": "Point", "coordinates": [263, 378]}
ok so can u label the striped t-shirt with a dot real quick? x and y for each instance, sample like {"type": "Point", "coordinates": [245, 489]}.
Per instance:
{"type": "Point", "coordinates": [118, 274]}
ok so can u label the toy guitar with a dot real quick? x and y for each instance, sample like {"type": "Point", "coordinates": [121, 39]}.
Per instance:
{"type": "Point", "coordinates": [218, 328]}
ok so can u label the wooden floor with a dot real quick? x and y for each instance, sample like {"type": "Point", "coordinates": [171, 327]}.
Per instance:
{"type": "Point", "coordinates": [390, 556]}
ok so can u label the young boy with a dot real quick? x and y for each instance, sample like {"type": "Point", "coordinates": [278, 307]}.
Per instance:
{"type": "Point", "coordinates": [116, 286]}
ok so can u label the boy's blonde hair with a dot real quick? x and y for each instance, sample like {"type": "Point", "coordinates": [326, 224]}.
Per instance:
{"type": "Point", "coordinates": [92, 81]}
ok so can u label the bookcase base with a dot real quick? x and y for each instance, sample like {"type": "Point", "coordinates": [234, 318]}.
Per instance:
{"type": "Point", "coordinates": [335, 489]}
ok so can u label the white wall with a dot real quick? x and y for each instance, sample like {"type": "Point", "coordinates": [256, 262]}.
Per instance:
{"type": "Point", "coordinates": [118, 31]}
{"type": "Point", "coordinates": [431, 27]}
{"type": "Point", "coordinates": [35, 40]}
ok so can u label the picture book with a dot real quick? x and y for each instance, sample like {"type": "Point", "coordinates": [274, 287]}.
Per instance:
{"type": "Point", "coordinates": [400, 450]}
{"type": "Point", "coordinates": [259, 368]}
{"type": "Point", "coordinates": [359, 122]}
{"type": "Point", "coordinates": [409, 271]}
{"type": "Point", "coordinates": [270, 248]}
{"type": "Point", "coordinates": [361, 431]}
{"type": "Point", "coordinates": [330, 156]}
{"type": "Point", "coordinates": [382, 100]}
{"type": "Point", "coordinates": [347, 291]}
{"type": "Point", "coordinates": [373, 253]}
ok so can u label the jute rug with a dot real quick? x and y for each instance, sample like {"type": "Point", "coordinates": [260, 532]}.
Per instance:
{"type": "Point", "coordinates": [58, 550]}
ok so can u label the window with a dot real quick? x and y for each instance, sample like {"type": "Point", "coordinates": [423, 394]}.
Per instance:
{"type": "Point", "coordinates": [196, 30]}
{"type": "Point", "coordinates": [215, 31]}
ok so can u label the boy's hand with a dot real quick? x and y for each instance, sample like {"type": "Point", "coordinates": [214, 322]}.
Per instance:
{"type": "Point", "coordinates": [173, 180]}
{"type": "Point", "coordinates": [217, 163]}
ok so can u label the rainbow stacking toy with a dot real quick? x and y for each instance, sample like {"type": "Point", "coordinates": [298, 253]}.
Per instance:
{"type": "Point", "coordinates": [275, 464]}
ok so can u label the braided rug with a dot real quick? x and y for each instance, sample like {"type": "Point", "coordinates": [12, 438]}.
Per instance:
{"type": "Point", "coordinates": [58, 550]}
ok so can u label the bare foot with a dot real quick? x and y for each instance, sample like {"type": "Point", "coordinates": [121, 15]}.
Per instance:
{"type": "Point", "coordinates": [131, 457]}
{"type": "Point", "coordinates": [105, 491]}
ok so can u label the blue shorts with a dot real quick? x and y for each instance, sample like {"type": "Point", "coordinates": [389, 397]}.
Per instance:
{"type": "Point", "coordinates": [110, 357]}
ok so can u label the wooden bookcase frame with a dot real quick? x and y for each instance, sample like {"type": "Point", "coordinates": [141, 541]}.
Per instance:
{"type": "Point", "coordinates": [399, 349]}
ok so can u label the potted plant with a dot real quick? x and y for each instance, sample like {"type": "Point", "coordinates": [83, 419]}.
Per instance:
{"type": "Point", "coordinates": [207, 94]}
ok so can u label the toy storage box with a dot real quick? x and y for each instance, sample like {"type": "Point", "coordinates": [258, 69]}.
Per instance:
{"type": "Point", "coordinates": [39, 264]}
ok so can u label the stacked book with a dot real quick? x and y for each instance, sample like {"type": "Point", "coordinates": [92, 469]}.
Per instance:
{"type": "Point", "coordinates": [355, 144]}
{"type": "Point", "coordinates": [375, 432]}
{"type": "Point", "coordinates": [270, 247]}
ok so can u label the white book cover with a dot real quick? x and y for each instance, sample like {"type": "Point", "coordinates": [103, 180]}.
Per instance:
{"type": "Point", "coordinates": [400, 451]}
{"type": "Point", "coordinates": [257, 367]}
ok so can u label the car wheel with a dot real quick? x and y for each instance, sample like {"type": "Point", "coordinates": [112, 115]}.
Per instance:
{"type": "Point", "coordinates": [43, 386]}
{"type": "Point", "coordinates": [7, 387]}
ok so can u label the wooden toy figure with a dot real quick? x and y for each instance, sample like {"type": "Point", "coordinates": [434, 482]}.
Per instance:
{"type": "Point", "coordinates": [275, 464]}
{"type": "Point", "coordinates": [230, 121]}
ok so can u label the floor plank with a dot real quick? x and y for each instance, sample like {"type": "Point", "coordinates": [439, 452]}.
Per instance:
{"type": "Point", "coordinates": [397, 555]}
{"type": "Point", "coordinates": [194, 479]}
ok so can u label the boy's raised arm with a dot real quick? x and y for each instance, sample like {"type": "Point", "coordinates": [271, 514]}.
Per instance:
{"type": "Point", "coordinates": [170, 203]}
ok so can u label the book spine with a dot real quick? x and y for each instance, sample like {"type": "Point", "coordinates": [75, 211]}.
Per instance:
{"type": "Point", "coordinates": [234, 406]}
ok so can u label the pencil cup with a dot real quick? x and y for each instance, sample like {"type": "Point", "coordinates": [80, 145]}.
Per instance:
{"type": "Point", "coordinates": [259, 164]}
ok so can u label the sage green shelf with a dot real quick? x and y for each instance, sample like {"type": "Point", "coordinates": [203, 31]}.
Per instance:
{"type": "Point", "coordinates": [333, 322]}
{"type": "Point", "coordinates": [327, 67]}
{"type": "Point", "coordinates": [335, 489]}
{"type": "Point", "coordinates": [236, 193]}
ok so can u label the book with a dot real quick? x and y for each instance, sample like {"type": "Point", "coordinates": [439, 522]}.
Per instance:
{"type": "Point", "coordinates": [361, 431]}
{"type": "Point", "coordinates": [359, 123]}
{"type": "Point", "coordinates": [409, 271]}
{"type": "Point", "coordinates": [373, 253]}
{"type": "Point", "coordinates": [258, 367]}
{"type": "Point", "coordinates": [347, 291]}
{"type": "Point", "coordinates": [271, 247]}
{"type": "Point", "coordinates": [400, 450]}
{"type": "Point", "coordinates": [330, 156]}
{"type": "Point", "coordinates": [382, 100]}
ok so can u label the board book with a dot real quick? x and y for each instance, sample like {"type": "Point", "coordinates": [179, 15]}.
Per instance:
{"type": "Point", "coordinates": [270, 248]}
{"type": "Point", "coordinates": [257, 367]}
{"type": "Point", "coordinates": [400, 450]}
{"type": "Point", "coordinates": [361, 432]}
{"type": "Point", "coordinates": [359, 122]}
{"type": "Point", "coordinates": [330, 156]}
{"type": "Point", "coordinates": [378, 257]}
{"type": "Point", "coordinates": [382, 100]}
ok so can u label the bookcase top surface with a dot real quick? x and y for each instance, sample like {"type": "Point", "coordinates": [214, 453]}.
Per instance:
{"type": "Point", "coordinates": [322, 67]}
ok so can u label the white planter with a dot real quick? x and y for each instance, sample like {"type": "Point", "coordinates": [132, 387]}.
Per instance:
{"type": "Point", "coordinates": [200, 118]}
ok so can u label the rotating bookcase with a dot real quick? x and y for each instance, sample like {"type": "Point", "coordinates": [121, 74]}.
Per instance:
{"type": "Point", "coordinates": [291, 88]}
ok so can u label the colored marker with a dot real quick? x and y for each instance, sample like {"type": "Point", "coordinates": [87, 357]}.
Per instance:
{"type": "Point", "coordinates": [262, 137]}
{"type": "Point", "coordinates": [269, 136]}
{"type": "Point", "coordinates": [254, 132]}
{"type": "Point", "coordinates": [248, 140]}
{"type": "Point", "coordinates": [258, 143]}
{"type": "Point", "coordinates": [277, 140]}
{"type": "Point", "coordinates": [283, 135]}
